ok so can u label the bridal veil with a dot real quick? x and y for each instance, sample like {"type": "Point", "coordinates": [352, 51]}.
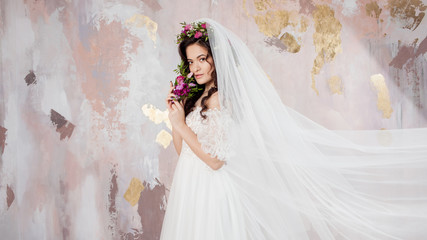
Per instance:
{"type": "Point", "coordinates": [299, 180]}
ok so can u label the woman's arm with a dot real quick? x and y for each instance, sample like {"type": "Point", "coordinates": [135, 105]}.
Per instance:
{"type": "Point", "coordinates": [177, 141]}
{"type": "Point", "coordinates": [191, 139]}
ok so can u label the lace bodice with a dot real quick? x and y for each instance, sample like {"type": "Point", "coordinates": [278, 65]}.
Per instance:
{"type": "Point", "coordinates": [211, 132]}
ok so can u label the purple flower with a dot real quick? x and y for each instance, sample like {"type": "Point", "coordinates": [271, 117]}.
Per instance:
{"type": "Point", "coordinates": [179, 87]}
{"type": "Point", "coordinates": [198, 34]}
{"type": "Point", "coordinates": [192, 85]}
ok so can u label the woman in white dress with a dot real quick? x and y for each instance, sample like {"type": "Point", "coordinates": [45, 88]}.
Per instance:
{"type": "Point", "coordinates": [251, 168]}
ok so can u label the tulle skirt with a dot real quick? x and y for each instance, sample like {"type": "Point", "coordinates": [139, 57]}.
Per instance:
{"type": "Point", "coordinates": [202, 203]}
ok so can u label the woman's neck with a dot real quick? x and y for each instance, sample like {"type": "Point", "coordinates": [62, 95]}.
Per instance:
{"type": "Point", "coordinates": [208, 86]}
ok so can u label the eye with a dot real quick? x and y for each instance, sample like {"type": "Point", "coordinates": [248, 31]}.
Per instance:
{"type": "Point", "coordinates": [190, 62]}
{"type": "Point", "coordinates": [202, 59]}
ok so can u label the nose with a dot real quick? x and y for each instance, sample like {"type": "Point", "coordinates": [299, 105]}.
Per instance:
{"type": "Point", "coordinates": [196, 67]}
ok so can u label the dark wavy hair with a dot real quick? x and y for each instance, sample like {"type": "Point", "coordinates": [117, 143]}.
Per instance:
{"type": "Point", "coordinates": [190, 102]}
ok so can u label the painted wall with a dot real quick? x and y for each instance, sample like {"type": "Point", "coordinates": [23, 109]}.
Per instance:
{"type": "Point", "coordinates": [85, 144]}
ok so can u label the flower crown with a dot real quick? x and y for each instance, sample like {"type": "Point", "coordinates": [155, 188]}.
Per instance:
{"type": "Point", "coordinates": [196, 30]}
{"type": "Point", "coordinates": [185, 85]}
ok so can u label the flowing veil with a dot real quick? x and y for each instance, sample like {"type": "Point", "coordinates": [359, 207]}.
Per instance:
{"type": "Point", "coordinates": [299, 180]}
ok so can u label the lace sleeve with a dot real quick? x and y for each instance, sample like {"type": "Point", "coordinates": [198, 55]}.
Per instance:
{"type": "Point", "coordinates": [214, 136]}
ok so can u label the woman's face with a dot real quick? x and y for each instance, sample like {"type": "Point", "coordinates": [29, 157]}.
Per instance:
{"type": "Point", "coordinates": [201, 65]}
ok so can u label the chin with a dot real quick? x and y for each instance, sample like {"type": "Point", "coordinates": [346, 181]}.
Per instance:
{"type": "Point", "coordinates": [203, 81]}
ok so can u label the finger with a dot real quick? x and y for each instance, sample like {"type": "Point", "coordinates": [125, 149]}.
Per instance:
{"type": "Point", "coordinates": [174, 107]}
{"type": "Point", "coordinates": [179, 106]}
{"type": "Point", "coordinates": [169, 97]}
{"type": "Point", "coordinates": [168, 101]}
{"type": "Point", "coordinates": [171, 86]}
{"type": "Point", "coordinates": [169, 104]}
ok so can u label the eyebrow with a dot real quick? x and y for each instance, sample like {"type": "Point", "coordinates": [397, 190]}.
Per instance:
{"type": "Point", "coordinates": [198, 56]}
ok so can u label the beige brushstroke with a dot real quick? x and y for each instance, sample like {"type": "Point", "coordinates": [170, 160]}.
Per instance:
{"type": "Point", "coordinates": [155, 115]}
{"type": "Point", "coordinates": [383, 97]}
{"type": "Point", "coordinates": [326, 38]}
{"type": "Point", "coordinates": [140, 21]}
{"type": "Point", "coordinates": [164, 138]}
{"type": "Point", "coordinates": [335, 85]}
{"type": "Point", "coordinates": [133, 192]}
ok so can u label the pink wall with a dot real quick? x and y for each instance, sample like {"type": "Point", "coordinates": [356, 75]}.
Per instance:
{"type": "Point", "coordinates": [85, 143]}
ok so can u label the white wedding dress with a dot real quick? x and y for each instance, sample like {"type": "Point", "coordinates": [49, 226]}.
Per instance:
{"type": "Point", "coordinates": [202, 203]}
{"type": "Point", "coordinates": [287, 177]}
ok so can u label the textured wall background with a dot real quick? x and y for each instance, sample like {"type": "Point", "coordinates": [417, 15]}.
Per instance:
{"type": "Point", "coordinates": [85, 145]}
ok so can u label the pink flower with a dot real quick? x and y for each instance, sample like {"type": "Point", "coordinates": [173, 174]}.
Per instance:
{"type": "Point", "coordinates": [180, 79]}
{"type": "Point", "coordinates": [198, 34]}
{"type": "Point", "coordinates": [190, 75]}
{"type": "Point", "coordinates": [204, 25]}
{"type": "Point", "coordinates": [179, 87]}
{"type": "Point", "coordinates": [187, 27]}
{"type": "Point", "coordinates": [192, 85]}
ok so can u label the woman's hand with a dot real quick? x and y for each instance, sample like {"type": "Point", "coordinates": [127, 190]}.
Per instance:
{"type": "Point", "coordinates": [176, 110]}
{"type": "Point", "coordinates": [177, 115]}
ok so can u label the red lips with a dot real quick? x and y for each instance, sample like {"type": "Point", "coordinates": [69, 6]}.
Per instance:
{"type": "Point", "coordinates": [199, 75]}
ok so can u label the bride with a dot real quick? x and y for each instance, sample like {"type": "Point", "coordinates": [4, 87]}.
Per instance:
{"type": "Point", "coordinates": [251, 168]}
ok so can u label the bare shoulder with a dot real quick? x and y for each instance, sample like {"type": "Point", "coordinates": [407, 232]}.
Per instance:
{"type": "Point", "coordinates": [213, 101]}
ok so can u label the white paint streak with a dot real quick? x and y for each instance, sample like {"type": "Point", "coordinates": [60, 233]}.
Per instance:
{"type": "Point", "coordinates": [87, 222]}
{"type": "Point", "coordinates": [110, 11]}
{"type": "Point", "coordinates": [350, 7]}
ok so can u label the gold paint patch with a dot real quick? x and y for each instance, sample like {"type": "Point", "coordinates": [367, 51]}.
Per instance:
{"type": "Point", "coordinates": [373, 10]}
{"type": "Point", "coordinates": [383, 97]}
{"type": "Point", "coordinates": [133, 192]}
{"type": "Point", "coordinates": [156, 115]}
{"type": "Point", "coordinates": [164, 138]}
{"type": "Point", "coordinates": [262, 5]}
{"type": "Point", "coordinates": [140, 21]}
{"type": "Point", "coordinates": [272, 23]}
{"type": "Point", "coordinates": [326, 38]}
{"type": "Point", "coordinates": [303, 24]}
{"type": "Point", "coordinates": [410, 13]}
{"type": "Point", "coordinates": [335, 85]}
{"type": "Point", "coordinates": [290, 43]}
